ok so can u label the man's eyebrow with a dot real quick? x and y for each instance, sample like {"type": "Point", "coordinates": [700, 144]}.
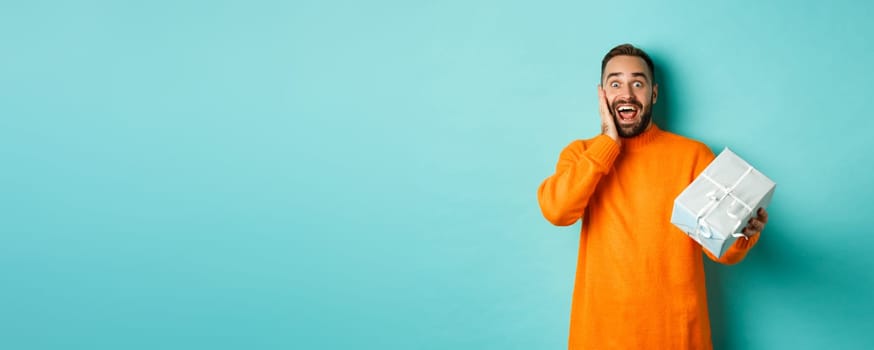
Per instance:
{"type": "Point", "coordinates": [639, 74]}
{"type": "Point", "coordinates": [634, 74]}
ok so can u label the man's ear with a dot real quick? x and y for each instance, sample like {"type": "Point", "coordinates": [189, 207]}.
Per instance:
{"type": "Point", "coordinates": [655, 93]}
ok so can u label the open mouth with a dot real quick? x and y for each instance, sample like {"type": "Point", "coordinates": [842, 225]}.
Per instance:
{"type": "Point", "coordinates": [627, 112]}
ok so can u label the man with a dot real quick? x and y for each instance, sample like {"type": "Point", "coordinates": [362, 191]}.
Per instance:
{"type": "Point", "coordinates": [640, 280]}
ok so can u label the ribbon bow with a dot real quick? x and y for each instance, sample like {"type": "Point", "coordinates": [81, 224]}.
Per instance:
{"type": "Point", "coordinates": [702, 227]}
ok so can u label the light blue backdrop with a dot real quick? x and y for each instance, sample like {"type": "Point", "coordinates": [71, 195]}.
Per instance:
{"type": "Point", "coordinates": [327, 175]}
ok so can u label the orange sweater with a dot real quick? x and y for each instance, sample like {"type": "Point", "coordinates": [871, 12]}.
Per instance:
{"type": "Point", "coordinates": [639, 280]}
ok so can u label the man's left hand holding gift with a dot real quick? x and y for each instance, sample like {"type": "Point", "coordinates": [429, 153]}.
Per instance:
{"type": "Point", "coordinates": [757, 224]}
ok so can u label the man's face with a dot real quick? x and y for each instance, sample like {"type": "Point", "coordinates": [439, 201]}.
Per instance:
{"type": "Point", "coordinates": [627, 82]}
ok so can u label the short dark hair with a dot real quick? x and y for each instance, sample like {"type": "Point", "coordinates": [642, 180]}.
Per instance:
{"type": "Point", "coordinates": [628, 50]}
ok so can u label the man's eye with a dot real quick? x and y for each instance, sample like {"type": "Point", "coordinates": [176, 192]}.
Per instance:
{"type": "Point", "coordinates": [614, 84]}
{"type": "Point", "coordinates": [638, 84]}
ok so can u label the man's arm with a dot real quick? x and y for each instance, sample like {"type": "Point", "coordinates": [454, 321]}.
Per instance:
{"type": "Point", "coordinates": [563, 196]}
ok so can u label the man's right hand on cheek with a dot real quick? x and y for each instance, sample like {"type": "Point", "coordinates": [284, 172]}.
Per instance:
{"type": "Point", "coordinates": [608, 126]}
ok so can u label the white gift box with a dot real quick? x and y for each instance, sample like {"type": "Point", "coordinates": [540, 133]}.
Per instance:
{"type": "Point", "coordinates": [715, 208]}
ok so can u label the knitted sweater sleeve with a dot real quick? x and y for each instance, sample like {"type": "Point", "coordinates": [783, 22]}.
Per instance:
{"type": "Point", "coordinates": [563, 196]}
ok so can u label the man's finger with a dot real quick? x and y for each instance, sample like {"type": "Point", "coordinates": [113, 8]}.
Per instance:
{"type": "Point", "coordinates": [763, 215]}
{"type": "Point", "coordinates": [602, 102]}
{"type": "Point", "coordinates": [608, 127]}
{"type": "Point", "coordinates": [756, 225]}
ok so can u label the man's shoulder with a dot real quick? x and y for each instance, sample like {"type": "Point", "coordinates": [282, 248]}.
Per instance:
{"type": "Point", "coordinates": [684, 142]}
{"type": "Point", "coordinates": [582, 144]}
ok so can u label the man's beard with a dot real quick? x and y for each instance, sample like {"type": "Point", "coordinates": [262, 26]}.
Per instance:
{"type": "Point", "coordinates": [636, 128]}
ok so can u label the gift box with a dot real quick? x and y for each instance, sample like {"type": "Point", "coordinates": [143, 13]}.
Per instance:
{"type": "Point", "coordinates": [718, 204]}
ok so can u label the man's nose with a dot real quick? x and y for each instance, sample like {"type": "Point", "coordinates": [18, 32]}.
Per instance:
{"type": "Point", "coordinates": [628, 91]}
{"type": "Point", "coordinates": [624, 93]}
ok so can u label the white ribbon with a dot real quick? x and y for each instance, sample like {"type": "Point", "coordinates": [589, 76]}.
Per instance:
{"type": "Point", "coordinates": [714, 201]}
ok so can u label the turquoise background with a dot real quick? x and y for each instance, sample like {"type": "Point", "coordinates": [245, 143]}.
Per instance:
{"type": "Point", "coordinates": [327, 175]}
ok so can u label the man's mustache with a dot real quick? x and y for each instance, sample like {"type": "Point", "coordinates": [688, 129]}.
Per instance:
{"type": "Point", "coordinates": [630, 101]}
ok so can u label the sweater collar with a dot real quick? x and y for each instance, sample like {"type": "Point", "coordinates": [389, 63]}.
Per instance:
{"type": "Point", "coordinates": [643, 139]}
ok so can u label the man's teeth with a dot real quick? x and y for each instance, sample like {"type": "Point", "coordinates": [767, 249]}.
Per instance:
{"type": "Point", "coordinates": [626, 109]}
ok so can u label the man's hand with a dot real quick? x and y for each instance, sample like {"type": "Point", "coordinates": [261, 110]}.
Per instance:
{"type": "Point", "coordinates": [757, 224]}
{"type": "Point", "coordinates": [608, 126]}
